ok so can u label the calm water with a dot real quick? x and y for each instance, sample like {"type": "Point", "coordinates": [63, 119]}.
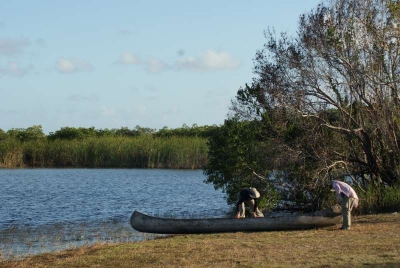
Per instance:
{"type": "Point", "coordinates": [44, 210]}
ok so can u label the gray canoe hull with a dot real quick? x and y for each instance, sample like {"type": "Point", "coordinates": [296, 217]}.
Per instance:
{"type": "Point", "coordinates": [148, 224]}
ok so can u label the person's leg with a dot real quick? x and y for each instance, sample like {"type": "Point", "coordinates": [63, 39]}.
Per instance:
{"type": "Point", "coordinates": [344, 213]}
{"type": "Point", "coordinates": [242, 210]}
{"type": "Point", "coordinates": [257, 211]}
{"type": "Point", "coordinates": [350, 208]}
{"type": "Point", "coordinates": [347, 205]}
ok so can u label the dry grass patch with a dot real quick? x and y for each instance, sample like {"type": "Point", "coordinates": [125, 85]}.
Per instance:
{"type": "Point", "coordinates": [374, 241]}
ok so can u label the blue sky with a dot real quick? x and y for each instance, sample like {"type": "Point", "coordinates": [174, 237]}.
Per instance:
{"type": "Point", "coordinates": [113, 64]}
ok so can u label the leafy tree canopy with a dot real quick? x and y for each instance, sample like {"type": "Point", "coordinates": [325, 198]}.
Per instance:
{"type": "Point", "coordinates": [28, 134]}
{"type": "Point", "coordinates": [325, 103]}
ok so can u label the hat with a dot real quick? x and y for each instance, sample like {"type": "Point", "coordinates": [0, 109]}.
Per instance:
{"type": "Point", "coordinates": [254, 193]}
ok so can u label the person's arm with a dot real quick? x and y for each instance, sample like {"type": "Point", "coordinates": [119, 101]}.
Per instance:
{"type": "Point", "coordinates": [338, 191]}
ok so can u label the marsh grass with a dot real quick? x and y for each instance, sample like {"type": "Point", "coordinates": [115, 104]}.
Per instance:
{"type": "Point", "coordinates": [107, 152]}
{"type": "Point", "coordinates": [11, 154]}
{"type": "Point", "coordinates": [373, 242]}
{"type": "Point", "coordinates": [384, 199]}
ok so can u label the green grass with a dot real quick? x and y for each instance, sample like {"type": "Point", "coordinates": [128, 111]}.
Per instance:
{"type": "Point", "coordinates": [107, 152]}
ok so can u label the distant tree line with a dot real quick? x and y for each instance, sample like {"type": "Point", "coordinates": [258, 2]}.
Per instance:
{"type": "Point", "coordinates": [181, 148]}
{"type": "Point", "coordinates": [70, 133]}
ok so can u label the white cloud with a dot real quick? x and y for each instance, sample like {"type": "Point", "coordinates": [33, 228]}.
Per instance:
{"type": "Point", "coordinates": [65, 66]}
{"type": "Point", "coordinates": [11, 47]}
{"type": "Point", "coordinates": [14, 69]}
{"type": "Point", "coordinates": [127, 58]}
{"type": "Point", "coordinates": [70, 66]}
{"type": "Point", "coordinates": [156, 66]}
{"type": "Point", "coordinates": [210, 60]}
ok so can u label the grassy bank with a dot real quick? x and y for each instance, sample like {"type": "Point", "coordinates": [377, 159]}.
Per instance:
{"type": "Point", "coordinates": [374, 241]}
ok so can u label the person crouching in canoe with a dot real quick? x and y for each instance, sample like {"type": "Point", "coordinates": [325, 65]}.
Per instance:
{"type": "Point", "coordinates": [249, 197]}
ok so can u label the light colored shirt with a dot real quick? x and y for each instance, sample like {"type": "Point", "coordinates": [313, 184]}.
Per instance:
{"type": "Point", "coordinates": [342, 187]}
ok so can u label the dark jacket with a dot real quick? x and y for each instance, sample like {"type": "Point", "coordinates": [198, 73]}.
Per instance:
{"type": "Point", "coordinates": [243, 196]}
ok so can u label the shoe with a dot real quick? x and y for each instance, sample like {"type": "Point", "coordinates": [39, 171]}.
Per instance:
{"type": "Point", "coordinates": [344, 228]}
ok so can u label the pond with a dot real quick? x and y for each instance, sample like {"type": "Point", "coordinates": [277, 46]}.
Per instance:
{"type": "Point", "coordinates": [44, 210]}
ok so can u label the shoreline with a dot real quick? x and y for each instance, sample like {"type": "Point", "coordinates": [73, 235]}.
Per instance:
{"type": "Point", "coordinates": [373, 244]}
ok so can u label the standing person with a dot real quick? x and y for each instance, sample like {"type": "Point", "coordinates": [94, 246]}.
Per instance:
{"type": "Point", "coordinates": [348, 198]}
{"type": "Point", "coordinates": [249, 197]}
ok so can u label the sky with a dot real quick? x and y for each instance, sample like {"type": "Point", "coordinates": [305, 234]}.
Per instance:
{"type": "Point", "coordinates": [113, 64]}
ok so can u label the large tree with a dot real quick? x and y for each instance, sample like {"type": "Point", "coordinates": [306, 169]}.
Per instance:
{"type": "Point", "coordinates": [339, 75]}
{"type": "Point", "coordinates": [327, 99]}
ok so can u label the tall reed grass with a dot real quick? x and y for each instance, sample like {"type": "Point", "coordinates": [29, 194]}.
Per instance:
{"type": "Point", "coordinates": [11, 153]}
{"type": "Point", "coordinates": [380, 199]}
{"type": "Point", "coordinates": [107, 152]}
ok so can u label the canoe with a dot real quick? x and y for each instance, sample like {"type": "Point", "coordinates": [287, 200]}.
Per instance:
{"type": "Point", "coordinates": [149, 224]}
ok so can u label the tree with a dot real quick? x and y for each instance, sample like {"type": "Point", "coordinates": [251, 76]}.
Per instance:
{"type": "Point", "coordinates": [145, 130]}
{"type": "Point", "coordinates": [29, 134]}
{"type": "Point", "coordinates": [340, 75]}
{"type": "Point", "coordinates": [350, 62]}
{"type": "Point", "coordinates": [126, 132]}
{"type": "Point", "coordinates": [235, 152]}
{"type": "Point", "coordinates": [326, 102]}
{"type": "Point", "coordinates": [3, 135]}
{"type": "Point", "coordinates": [66, 133]}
